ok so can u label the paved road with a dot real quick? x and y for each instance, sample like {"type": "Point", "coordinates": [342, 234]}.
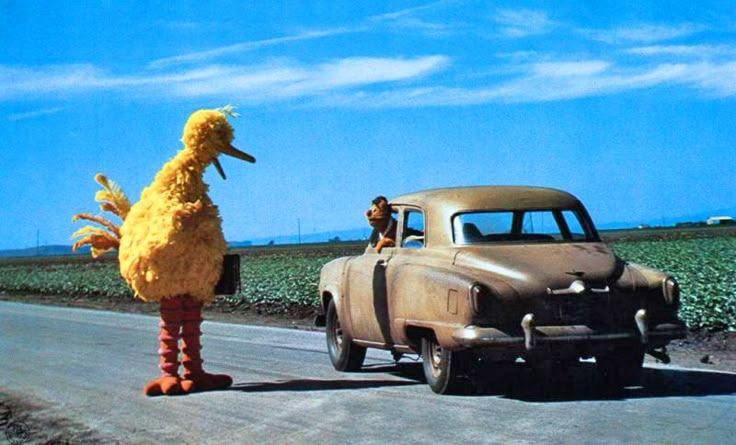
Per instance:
{"type": "Point", "coordinates": [89, 366]}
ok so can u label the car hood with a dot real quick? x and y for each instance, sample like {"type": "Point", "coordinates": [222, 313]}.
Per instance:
{"type": "Point", "coordinates": [531, 269]}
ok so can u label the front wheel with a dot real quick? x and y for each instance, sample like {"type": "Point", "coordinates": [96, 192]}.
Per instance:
{"type": "Point", "coordinates": [442, 368]}
{"type": "Point", "coordinates": [344, 354]}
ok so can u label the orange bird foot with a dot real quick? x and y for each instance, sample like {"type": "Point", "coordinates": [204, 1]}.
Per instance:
{"type": "Point", "coordinates": [164, 385]}
{"type": "Point", "coordinates": [205, 382]}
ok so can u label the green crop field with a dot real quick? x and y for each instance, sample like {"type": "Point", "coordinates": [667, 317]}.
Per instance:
{"type": "Point", "coordinates": [705, 270]}
{"type": "Point", "coordinates": [278, 278]}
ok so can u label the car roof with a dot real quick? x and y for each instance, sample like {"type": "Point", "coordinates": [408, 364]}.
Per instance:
{"type": "Point", "coordinates": [489, 197]}
{"type": "Point", "coordinates": [441, 204]}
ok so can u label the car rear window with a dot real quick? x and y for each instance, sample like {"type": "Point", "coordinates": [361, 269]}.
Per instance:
{"type": "Point", "coordinates": [533, 225]}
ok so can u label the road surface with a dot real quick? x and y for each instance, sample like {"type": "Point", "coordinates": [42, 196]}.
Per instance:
{"type": "Point", "coordinates": [89, 367]}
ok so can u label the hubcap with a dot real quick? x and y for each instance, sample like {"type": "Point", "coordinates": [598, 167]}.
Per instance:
{"type": "Point", "coordinates": [338, 333]}
{"type": "Point", "coordinates": [435, 358]}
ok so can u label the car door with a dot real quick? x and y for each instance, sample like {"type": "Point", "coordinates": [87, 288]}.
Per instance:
{"type": "Point", "coordinates": [370, 276]}
{"type": "Point", "coordinates": [367, 291]}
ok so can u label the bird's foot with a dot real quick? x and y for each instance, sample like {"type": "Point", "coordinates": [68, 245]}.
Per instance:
{"type": "Point", "coordinates": [205, 382]}
{"type": "Point", "coordinates": [164, 385]}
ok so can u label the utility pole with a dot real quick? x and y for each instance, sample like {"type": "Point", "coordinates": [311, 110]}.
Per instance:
{"type": "Point", "coordinates": [38, 242]}
{"type": "Point", "coordinates": [299, 229]}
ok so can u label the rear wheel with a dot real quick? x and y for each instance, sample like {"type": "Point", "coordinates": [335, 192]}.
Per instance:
{"type": "Point", "coordinates": [344, 354]}
{"type": "Point", "coordinates": [443, 369]}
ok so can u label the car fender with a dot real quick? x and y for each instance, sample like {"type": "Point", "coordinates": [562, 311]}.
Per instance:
{"type": "Point", "coordinates": [637, 278]}
{"type": "Point", "coordinates": [331, 285]}
{"type": "Point", "coordinates": [430, 298]}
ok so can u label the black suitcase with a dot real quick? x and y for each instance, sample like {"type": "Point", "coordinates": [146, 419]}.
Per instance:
{"type": "Point", "coordinates": [229, 283]}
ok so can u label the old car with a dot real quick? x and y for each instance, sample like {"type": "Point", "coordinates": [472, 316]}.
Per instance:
{"type": "Point", "coordinates": [500, 273]}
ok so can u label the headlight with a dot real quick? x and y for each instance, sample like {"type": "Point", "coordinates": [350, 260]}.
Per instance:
{"type": "Point", "coordinates": [671, 291]}
{"type": "Point", "coordinates": [480, 298]}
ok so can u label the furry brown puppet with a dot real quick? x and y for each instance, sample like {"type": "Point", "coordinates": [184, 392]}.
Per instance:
{"type": "Point", "coordinates": [379, 217]}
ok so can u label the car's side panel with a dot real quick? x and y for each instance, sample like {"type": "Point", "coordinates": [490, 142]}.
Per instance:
{"type": "Point", "coordinates": [424, 292]}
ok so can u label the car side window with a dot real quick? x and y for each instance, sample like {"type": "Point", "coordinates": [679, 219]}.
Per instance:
{"type": "Point", "coordinates": [577, 232]}
{"type": "Point", "coordinates": [412, 235]}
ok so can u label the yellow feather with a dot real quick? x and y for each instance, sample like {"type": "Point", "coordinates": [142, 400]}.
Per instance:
{"type": "Point", "coordinates": [99, 220]}
{"type": "Point", "coordinates": [86, 230]}
{"type": "Point", "coordinates": [100, 244]}
{"type": "Point", "coordinates": [112, 194]}
{"type": "Point", "coordinates": [102, 180]}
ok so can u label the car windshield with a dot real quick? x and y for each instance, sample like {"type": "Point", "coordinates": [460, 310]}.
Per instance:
{"type": "Point", "coordinates": [537, 225]}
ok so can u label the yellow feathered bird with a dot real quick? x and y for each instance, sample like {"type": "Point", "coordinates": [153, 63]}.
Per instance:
{"type": "Point", "coordinates": [171, 246]}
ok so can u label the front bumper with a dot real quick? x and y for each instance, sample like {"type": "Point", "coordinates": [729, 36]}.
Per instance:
{"type": "Point", "coordinates": [533, 337]}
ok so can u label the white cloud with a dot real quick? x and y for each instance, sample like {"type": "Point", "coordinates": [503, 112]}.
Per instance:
{"type": "Point", "coordinates": [290, 80]}
{"type": "Point", "coordinates": [375, 82]}
{"type": "Point", "coordinates": [16, 82]}
{"type": "Point", "coordinates": [427, 28]}
{"type": "Point", "coordinates": [565, 69]}
{"type": "Point", "coordinates": [200, 56]}
{"type": "Point", "coordinates": [683, 50]}
{"type": "Point", "coordinates": [523, 22]}
{"type": "Point", "coordinates": [408, 19]}
{"type": "Point", "coordinates": [22, 81]}
{"type": "Point", "coordinates": [405, 18]}
{"type": "Point", "coordinates": [256, 83]}
{"type": "Point", "coordinates": [553, 81]}
{"type": "Point", "coordinates": [642, 33]}
{"type": "Point", "coordinates": [547, 87]}
{"type": "Point", "coordinates": [718, 80]}
{"type": "Point", "coordinates": [367, 70]}
{"type": "Point", "coordinates": [565, 81]}
{"type": "Point", "coordinates": [404, 13]}
{"type": "Point", "coordinates": [34, 113]}
{"type": "Point", "coordinates": [278, 79]}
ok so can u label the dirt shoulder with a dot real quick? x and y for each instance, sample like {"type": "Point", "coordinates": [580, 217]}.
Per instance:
{"type": "Point", "coordinates": [701, 349]}
{"type": "Point", "coordinates": [25, 420]}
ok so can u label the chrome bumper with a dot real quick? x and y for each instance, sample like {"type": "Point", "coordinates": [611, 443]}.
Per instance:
{"type": "Point", "coordinates": [533, 335]}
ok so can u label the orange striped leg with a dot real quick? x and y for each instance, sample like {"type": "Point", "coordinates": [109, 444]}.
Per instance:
{"type": "Point", "coordinates": [194, 378]}
{"type": "Point", "coordinates": [170, 324]}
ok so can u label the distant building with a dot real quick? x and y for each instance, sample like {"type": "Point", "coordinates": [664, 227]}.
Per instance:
{"type": "Point", "coordinates": [690, 224]}
{"type": "Point", "coordinates": [720, 220]}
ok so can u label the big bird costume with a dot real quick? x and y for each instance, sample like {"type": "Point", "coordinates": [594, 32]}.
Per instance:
{"type": "Point", "coordinates": [171, 247]}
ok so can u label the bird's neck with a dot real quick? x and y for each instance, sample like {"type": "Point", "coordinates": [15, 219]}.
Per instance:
{"type": "Point", "coordinates": [182, 175]}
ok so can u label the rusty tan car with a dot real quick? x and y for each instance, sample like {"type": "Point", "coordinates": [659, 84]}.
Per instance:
{"type": "Point", "coordinates": [492, 275]}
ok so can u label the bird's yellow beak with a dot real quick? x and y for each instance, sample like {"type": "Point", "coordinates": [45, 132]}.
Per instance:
{"type": "Point", "coordinates": [234, 152]}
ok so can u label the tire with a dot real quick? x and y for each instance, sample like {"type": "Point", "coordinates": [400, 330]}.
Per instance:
{"type": "Point", "coordinates": [344, 354]}
{"type": "Point", "coordinates": [620, 368]}
{"type": "Point", "coordinates": [444, 369]}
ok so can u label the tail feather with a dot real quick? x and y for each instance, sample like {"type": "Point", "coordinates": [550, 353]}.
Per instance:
{"type": "Point", "coordinates": [99, 220]}
{"type": "Point", "coordinates": [91, 230]}
{"type": "Point", "coordinates": [113, 200]}
{"type": "Point", "coordinates": [100, 244]}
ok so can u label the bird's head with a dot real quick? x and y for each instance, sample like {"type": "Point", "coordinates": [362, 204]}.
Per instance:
{"type": "Point", "coordinates": [208, 133]}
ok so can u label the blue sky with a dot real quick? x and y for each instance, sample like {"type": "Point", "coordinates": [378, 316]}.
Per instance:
{"type": "Point", "coordinates": [628, 105]}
